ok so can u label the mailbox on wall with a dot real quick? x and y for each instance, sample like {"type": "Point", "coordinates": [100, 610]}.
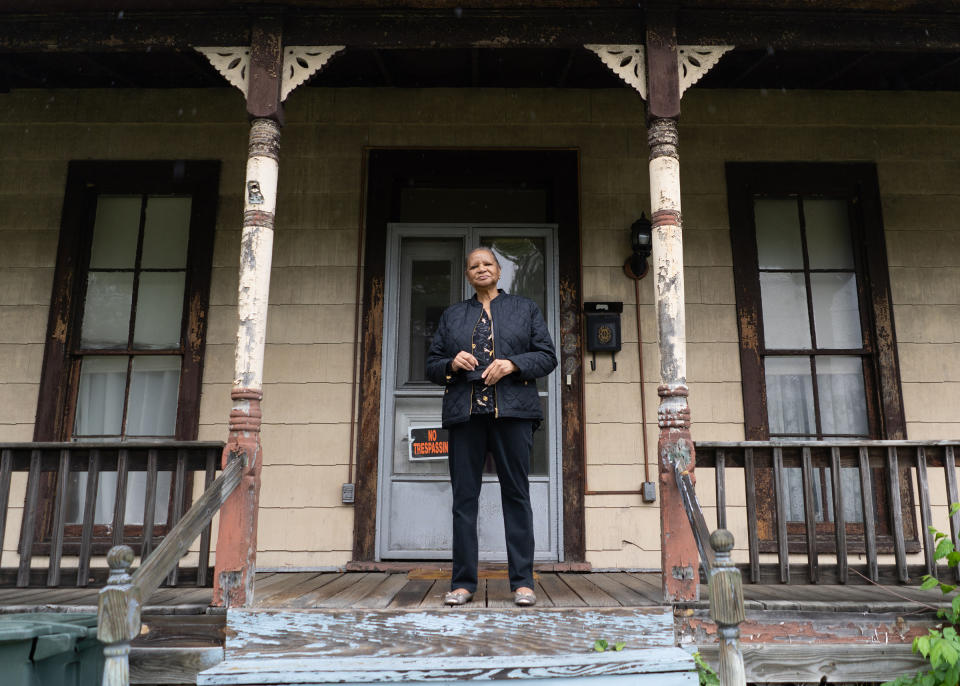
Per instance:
{"type": "Point", "coordinates": [603, 329]}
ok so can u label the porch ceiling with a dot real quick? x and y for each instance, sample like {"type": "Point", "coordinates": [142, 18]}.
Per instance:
{"type": "Point", "coordinates": [493, 67]}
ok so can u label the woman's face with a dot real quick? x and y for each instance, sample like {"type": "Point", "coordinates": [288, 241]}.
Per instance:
{"type": "Point", "coordinates": [482, 270]}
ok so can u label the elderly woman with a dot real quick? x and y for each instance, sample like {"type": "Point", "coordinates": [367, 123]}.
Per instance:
{"type": "Point", "coordinates": [488, 352]}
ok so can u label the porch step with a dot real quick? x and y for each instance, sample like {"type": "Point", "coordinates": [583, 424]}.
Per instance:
{"type": "Point", "coordinates": [443, 646]}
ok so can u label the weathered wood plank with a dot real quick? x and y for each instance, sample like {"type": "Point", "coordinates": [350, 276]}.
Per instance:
{"type": "Point", "coordinates": [592, 595]}
{"type": "Point", "coordinates": [809, 518]}
{"type": "Point", "coordinates": [653, 666]}
{"type": "Point", "coordinates": [721, 488]}
{"type": "Point", "coordinates": [899, 547]}
{"type": "Point", "coordinates": [383, 595]}
{"type": "Point", "coordinates": [623, 594]}
{"type": "Point", "coordinates": [203, 567]}
{"type": "Point", "coordinates": [753, 541]}
{"type": "Point", "coordinates": [29, 524]}
{"type": "Point", "coordinates": [89, 512]}
{"type": "Point", "coordinates": [653, 596]}
{"type": "Point", "coordinates": [120, 495]}
{"type": "Point", "coordinates": [171, 665]}
{"type": "Point", "coordinates": [317, 597]}
{"type": "Point", "coordinates": [353, 593]}
{"type": "Point", "coordinates": [6, 468]}
{"type": "Point", "coordinates": [839, 521]}
{"type": "Point", "coordinates": [950, 472]}
{"type": "Point", "coordinates": [149, 505]}
{"type": "Point", "coordinates": [780, 496]}
{"type": "Point", "coordinates": [869, 521]}
{"type": "Point", "coordinates": [560, 594]}
{"type": "Point", "coordinates": [287, 586]}
{"type": "Point", "coordinates": [412, 593]}
{"type": "Point", "coordinates": [434, 596]}
{"type": "Point", "coordinates": [779, 663]}
{"type": "Point", "coordinates": [457, 632]}
{"type": "Point", "coordinates": [499, 594]}
{"type": "Point", "coordinates": [181, 631]}
{"type": "Point", "coordinates": [176, 543]}
{"type": "Point", "coordinates": [926, 514]}
{"type": "Point", "coordinates": [179, 495]}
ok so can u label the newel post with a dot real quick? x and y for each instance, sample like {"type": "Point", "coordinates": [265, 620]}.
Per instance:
{"type": "Point", "coordinates": [118, 617]}
{"type": "Point", "coordinates": [726, 609]}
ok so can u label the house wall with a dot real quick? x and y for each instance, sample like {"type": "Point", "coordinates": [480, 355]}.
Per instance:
{"type": "Point", "coordinates": [309, 357]}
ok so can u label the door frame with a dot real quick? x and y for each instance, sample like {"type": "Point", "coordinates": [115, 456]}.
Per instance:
{"type": "Point", "coordinates": [386, 171]}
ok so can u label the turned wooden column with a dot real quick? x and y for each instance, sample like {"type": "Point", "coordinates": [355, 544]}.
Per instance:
{"type": "Point", "coordinates": [678, 549]}
{"type": "Point", "coordinates": [237, 541]}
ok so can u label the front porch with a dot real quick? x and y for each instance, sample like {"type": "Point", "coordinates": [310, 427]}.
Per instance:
{"type": "Point", "coordinates": [792, 633]}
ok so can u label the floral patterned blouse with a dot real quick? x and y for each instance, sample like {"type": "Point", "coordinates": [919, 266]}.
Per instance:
{"type": "Point", "coordinates": [484, 397]}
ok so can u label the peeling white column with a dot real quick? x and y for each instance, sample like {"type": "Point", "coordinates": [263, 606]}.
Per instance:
{"type": "Point", "coordinates": [256, 252]}
{"type": "Point", "coordinates": [668, 251]}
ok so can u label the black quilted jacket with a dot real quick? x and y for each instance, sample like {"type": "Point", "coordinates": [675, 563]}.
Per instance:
{"type": "Point", "coordinates": [519, 335]}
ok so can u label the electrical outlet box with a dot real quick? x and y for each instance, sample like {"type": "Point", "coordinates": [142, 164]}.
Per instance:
{"type": "Point", "coordinates": [649, 492]}
{"type": "Point", "coordinates": [346, 494]}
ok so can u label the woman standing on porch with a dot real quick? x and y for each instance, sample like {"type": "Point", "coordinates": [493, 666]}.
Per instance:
{"type": "Point", "coordinates": [488, 352]}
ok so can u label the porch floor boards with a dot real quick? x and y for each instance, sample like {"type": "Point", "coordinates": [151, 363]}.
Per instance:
{"type": "Point", "coordinates": [424, 589]}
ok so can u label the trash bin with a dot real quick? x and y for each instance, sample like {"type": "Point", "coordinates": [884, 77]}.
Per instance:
{"type": "Point", "coordinates": [50, 649]}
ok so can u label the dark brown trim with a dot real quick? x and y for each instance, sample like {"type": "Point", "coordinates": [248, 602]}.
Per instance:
{"type": "Point", "coordinates": [755, 27]}
{"type": "Point", "coordinates": [266, 65]}
{"type": "Point", "coordinates": [558, 171]}
{"type": "Point", "coordinates": [663, 84]}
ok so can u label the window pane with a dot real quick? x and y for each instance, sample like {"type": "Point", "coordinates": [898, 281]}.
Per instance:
{"type": "Point", "coordinates": [836, 313]}
{"type": "Point", "coordinates": [159, 310]}
{"type": "Point", "coordinates": [103, 381]}
{"type": "Point", "coordinates": [106, 494]}
{"type": "Point", "coordinates": [165, 233]}
{"type": "Point", "coordinates": [522, 266]}
{"type": "Point", "coordinates": [430, 285]}
{"type": "Point", "coordinates": [106, 311]}
{"type": "Point", "coordinates": [828, 233]}
{"type": "Point", "coordinates": [154, 387]}
{"type": "Point", "coordinates": [115, 232]}
{"type": "Point", "coordinates": [778, 233]}
{"type": "Point", "coordinates": [843, 403]}
{"type": "Point", "coordinates": [784, 303]}
{"type": "Point", "coordinates": [789, 395]}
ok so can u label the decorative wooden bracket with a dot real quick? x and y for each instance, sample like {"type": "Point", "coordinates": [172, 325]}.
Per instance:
{"type": "Point", "coordinates": [629, 63]}
{"type": "Point", "coordinates": [300, 62]}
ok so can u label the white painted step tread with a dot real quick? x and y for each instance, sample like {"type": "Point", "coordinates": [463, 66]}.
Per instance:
{"type": "Point", "coordinates": [257, 634]}
{"type": "Point", "coordinates": [666, 665]}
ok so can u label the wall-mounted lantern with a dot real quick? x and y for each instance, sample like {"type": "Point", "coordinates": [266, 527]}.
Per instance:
{"type": "Point", "coordinates": [641, 239]}
{"type": "Point", "coordinates": [603, 329]}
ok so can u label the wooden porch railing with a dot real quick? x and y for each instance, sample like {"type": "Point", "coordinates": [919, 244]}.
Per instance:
{"type": "Point", "coordinates": [120, 602]}
{"type": "Point", "coordinates": [883, 471]}
{"type": "Point", "coordinates": [726, 586]}
{"type": "Point", "coordinates": [49, 467]}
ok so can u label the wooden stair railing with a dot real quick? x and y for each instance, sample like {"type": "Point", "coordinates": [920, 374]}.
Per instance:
{"type": "Point", "coordinates": [121, 600]}
{"type": "Point", "coordinates": [726, 586]}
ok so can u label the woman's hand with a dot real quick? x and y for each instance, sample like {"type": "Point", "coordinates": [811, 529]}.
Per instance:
{"type": "Point", "coordinates": [497, 370]}
{"type": "Point", "coordinates": [463, 361]}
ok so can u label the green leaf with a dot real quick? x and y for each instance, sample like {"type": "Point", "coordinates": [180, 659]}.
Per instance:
{"type": "Point", "coordinates": [937, 535]}
{"type": "Point", "coordinates": [954, 508]}
{"type": "Point", "coordinates": [619, 646]}
{"type": "Point", "coordinates": [921, 644]}
{"type": "Point", "coordinates": [928, 582]}
{"type": "Point", "coordinates": [947, 588]}
{"type": "Point", "coordinates": [944, 548]}
{"type": "Point", "coordinates": [600, 645]}
{"type": "Point", "coordinates": [953, 558]}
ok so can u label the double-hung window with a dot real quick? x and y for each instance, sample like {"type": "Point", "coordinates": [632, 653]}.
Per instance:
{"type": "Point", "coordinates": [817, 345]}
{"type": "Point", "coordinates": [128, 318]}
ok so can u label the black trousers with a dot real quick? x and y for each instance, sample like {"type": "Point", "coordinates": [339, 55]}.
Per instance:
{"type": "Point", "coordinates": [510, 441]}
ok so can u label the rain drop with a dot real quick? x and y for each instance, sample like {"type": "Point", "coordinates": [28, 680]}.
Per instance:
{"type": "Point", "coordinates": [120, 14]}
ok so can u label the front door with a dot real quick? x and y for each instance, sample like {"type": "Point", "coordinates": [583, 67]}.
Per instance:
{"type": "Point", "coordinates": [425, 274]}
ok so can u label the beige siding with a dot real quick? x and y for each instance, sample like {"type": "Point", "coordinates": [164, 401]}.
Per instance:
{"type": "Point", "coordinates": [311, 330]}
